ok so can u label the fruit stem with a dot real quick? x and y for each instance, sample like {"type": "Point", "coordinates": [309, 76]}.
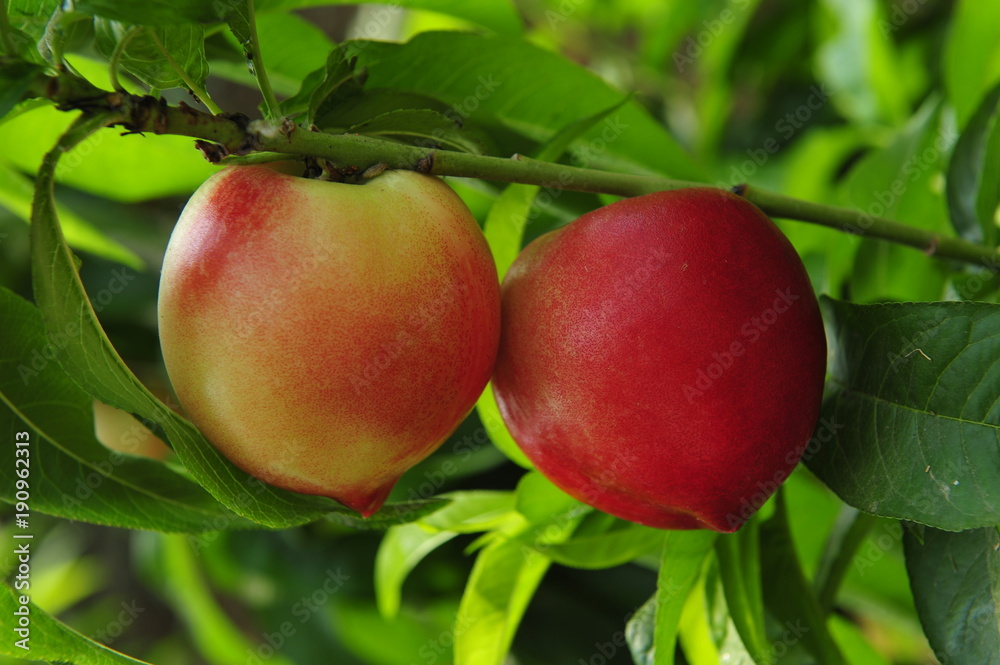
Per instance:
{"type": "Point", "coordinates": [859, 222]}
{"type": "Point", "coordinates": [361, 151]}
{"type": "Point", "coordinates": [354, 150]}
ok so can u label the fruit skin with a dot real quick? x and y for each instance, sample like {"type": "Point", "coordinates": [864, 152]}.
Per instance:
{"type": "Point", "coordinates": [325, 337]}
{"type": "Point", "coordinates": [662, 358]}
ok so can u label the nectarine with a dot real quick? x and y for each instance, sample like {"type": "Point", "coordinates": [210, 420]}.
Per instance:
{"type": "Point", "coordinates": [662, 358]}
{"type": "Point", "coordinates": [326, 336]}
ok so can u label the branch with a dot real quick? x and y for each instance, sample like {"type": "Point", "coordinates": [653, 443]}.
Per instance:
{"type": "Point", "coordinates": [352, 154]}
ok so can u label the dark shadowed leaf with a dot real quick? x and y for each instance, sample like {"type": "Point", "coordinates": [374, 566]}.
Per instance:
{"type": "Point", "coordinates": [15, 80]}
{"type": "Point", "coordinates": [974, 174]}
{"type": "Point", "coordinates": [955, 579]}
{"type": "Point", "coordinates": [423, 127]}
{"type": "Point", "coordinates": [322, 90]}
{"type": "Point", "coordinates": [156, 12]}
{"type": "Point", "coordinates": [909, 427]}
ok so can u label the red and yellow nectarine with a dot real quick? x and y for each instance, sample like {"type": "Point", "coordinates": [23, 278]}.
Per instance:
{"type": "Point", "coordinates": [327, 336]}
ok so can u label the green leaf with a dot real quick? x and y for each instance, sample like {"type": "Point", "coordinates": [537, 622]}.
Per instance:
{"type": "Point", "coordinates": [423, 127]}
{"type": "Point", "coordinates": [154, 12]}
{"type": "Point", "coordinates": [974, 174]}
{"type": "Point", "coordinates": [740, 569]}
{"type": "Point", "coordinates": [299, 102]}
{"type": "Point", "coordinates": [16, 193]}
{"type": "Point", "coordinates": [361, 105]}
{"type": "Point", "coordinates": [96, 366]}
{"type": "Point", "coordinates": [509, 569]}
{"type": "Point", "coordinates": [292, 47]}
{"type": "Point", "coordinates": [713, 96]}
{"type": "Point", "coordinates": [130, 168]}
{"type": "Point", "coordinates": [639, 633]}
{"type": "Point", "coordinates": [341, 79]}
{"type": "Point", "coordinates": [489, 413]}
{"type": "Point", "coordinates": [392, 513]}
{"type": "Point", "coordinates": [811, 164]}
{"type": "Point", "coordinates": [50, 639]}
{"type": "Point", "coordinates": [501, 16]}
{"type": "Point", "coordinates": [28, 20]}
{"type": "Point", "coordinates": [853, 644]}
{"type": "Point", "coordinates": [401, 549]}
{"type": "Point", "coordinates": [506, 221]}
{"type": "Point", "coordinates": [788, 595]}
{"type": "Point", "coordinates": [40, 28]}
{"type": "Point", "coordinates": [15, 80]}
{"type": "Point", "coordinates": [71, 474]}
{"type": "Point", "coordinates": [858, 64]}
{"type": "Point", "coordinates": [526, 88]}
{"type": "Point", "coordinates": [156, 55]}
{"type": "Point", "coordinates": [60, 30]}
{"type": "Point", "coordinates": [652, 632]}
{"type": "Point", "coordinates": [619, 543]}
{"type": "Point", "coordinates": [498, 15]}
{"type": "Point", "coordinates": [538, 499]}
{"type": "Point", "coordinates": [238, 14]}
{"type": "Point", "coordinates": [971, 55]}
{"type": "Point", "coordinates": [898, 181]}
{"type": "Point", "coordinates": [909, 426]}
{"type": "Point", "coordinates": [503, 580]}
{"type": "Point", "coordinates": [32, 15]}
{"type": "Point", "coordinates": [369, 638]}
{"type": "Point", "coordinates": [955, 579]}
{"type": "Point", "coordinates": [471, 511]}
{"type": "Point", "coordinates": [698, 634]}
